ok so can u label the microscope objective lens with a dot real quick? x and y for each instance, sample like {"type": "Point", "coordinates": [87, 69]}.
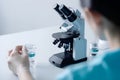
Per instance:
{"type": "Point", "coordinates": [60, 45]}
{"type": "Point", "coordinates": [56, 41]}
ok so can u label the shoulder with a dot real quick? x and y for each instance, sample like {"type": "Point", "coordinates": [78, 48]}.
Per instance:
{"type": "Point", "coordinates": [96, 69]}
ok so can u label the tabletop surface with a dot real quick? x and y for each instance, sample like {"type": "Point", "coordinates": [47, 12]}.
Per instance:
{"type": "Point", "coordinates": [42, 38]}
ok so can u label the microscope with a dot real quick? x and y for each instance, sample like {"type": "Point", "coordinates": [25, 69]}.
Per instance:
{"type": "Point", "coordinates": [72, 38]}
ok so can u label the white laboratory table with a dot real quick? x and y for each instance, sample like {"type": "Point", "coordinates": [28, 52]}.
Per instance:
{"type": "Point", "coordinates": [43, 40]}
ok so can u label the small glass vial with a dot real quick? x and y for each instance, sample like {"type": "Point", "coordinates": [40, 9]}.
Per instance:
{"type": "Point", "coordinates": [31, 53]}
{"type": "Point", "coordinates": [94, 50]}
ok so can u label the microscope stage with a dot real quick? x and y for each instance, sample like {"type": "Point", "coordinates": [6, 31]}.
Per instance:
{"type": "Point", "coordinates": [64, 35]}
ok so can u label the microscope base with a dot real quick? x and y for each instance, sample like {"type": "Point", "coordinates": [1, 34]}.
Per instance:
{"type": "Point", "coordinates": [62, 60]}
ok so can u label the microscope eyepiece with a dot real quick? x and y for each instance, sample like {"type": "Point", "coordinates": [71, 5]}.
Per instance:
{"type": "Point", "coordinates": [71, 16]}
{"type": "Point", "coordinates": [65, 10]}
{"type": "Point", "coordinates": [56, 7]}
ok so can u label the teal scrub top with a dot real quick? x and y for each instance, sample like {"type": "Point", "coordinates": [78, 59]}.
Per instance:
{"type": "Point", "coordinates": [103, 67]}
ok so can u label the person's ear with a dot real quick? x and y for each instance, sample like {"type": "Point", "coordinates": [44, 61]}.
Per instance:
{"type": "Point", "coordinates": [95, 16]}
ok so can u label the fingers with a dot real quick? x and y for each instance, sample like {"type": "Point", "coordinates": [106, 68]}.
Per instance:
{"type": "Point", "coordinates": [24, 50]}
{"type": "Point", "coordinates": [9, 53]}
{"type": "Point", "coordinates": [18, 50]}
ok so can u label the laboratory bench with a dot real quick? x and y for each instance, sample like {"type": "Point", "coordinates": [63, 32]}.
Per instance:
{"type": "Point", "coordinates": [42, 39]}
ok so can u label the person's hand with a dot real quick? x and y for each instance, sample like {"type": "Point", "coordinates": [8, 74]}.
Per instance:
{"type": "Point", "coordinates": [18, 61]}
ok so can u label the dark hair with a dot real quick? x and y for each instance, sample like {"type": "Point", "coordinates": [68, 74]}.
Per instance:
{"type": "Point", "coordinates": [108, 8]}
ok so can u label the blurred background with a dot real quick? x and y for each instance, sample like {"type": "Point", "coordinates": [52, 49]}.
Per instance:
{"type": "Point", "coordinates": [24, 15]}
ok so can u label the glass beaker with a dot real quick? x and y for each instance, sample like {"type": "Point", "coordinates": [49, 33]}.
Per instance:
{"type": "Point", "coordinates": [94, 50]}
